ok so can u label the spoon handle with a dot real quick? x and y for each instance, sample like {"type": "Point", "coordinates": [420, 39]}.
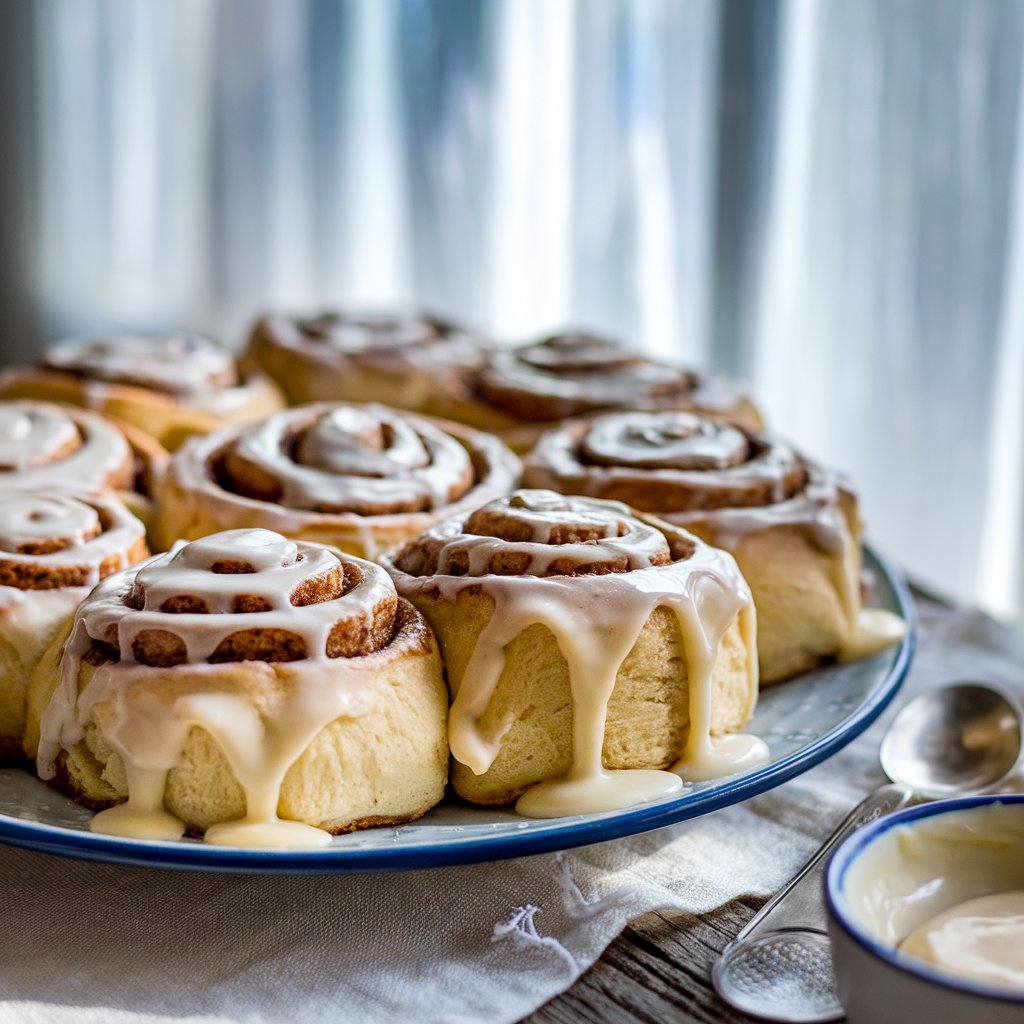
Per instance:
{"type": "Point", "coordinates": [779, 968]}
{"type": "Point", "coordinates": [800, 902]}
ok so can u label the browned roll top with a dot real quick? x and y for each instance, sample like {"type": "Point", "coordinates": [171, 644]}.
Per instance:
{"type": "Point", "coordinates": [666, 461]}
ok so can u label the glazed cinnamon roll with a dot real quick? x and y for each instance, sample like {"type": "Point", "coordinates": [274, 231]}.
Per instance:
{"type": "Point", "coordinates": [263, 691]}
{"type": "Point", "coordinates": [793, 527]}
{"type": "Point", "coordinates": [43, 444]}
{"type": "Point", "coordinates": [169, 385]}
{"type": "Point", "coordinates": [527, 389]}
{"type": "Point", "coordinates": [409, 361]}
{"type": "Point", "coordinates": [54, 547]}
{"type": "Point", "coordinates": [363, 478]}
{"type": "Point", "coordinates": [594, 655]}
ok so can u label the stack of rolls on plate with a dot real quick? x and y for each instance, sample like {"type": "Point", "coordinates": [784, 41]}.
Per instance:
{"type": "Point", "coordinates": [263, 691]}
{"type": "Point", "coordinates": [168, 385]}
{"type": "Point", "coordinates": [361, 477]}
{"type": "Point", "coordinates": [427, 365]}
{"type": "Point", "coordinates": [356, 601]}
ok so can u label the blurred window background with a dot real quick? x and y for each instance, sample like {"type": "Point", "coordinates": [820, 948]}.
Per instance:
{"type": "Point", "coordinates": [824, 198]}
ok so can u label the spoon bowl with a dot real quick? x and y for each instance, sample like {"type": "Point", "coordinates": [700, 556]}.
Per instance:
{"type": "Point", "coordinates": [955, 741]}
{"type": "Point", "coordinates": [962, 739]}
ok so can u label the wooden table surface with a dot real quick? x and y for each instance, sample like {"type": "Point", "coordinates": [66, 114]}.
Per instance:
{"type": "Point", "coordinates": [658, 971]}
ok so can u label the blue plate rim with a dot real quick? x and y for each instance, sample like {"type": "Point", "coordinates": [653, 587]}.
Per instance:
{"type": "Point", "coordinates": [570, 833]}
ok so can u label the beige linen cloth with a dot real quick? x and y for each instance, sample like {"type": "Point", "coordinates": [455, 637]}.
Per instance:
{"type": "Point", "coordinates": [84, 942]}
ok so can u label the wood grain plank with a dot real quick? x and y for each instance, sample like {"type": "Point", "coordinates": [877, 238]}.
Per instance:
{"type": "Point", "coordinates": [658, 971]}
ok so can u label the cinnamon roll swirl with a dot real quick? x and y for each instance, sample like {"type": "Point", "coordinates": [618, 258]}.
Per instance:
{"type": "Point", "coordinates": [410, 361]}
{"type": "Point", "coordinates": [793, 527]}
{"type": "Point", "coordinates": [361, 477]}
{"type": "Point", "coordinates": [46, 445]}
{"type": "Point", "coordinates": [263, 691]}
{"type": "Point", "coordinates": [54, 547]}
{"type": "Point", "coordinates": [169, 385]}
{"type": "Point", "coordinates": [528, 388]}
{"type": "Point", "coordinates": [588, 649]}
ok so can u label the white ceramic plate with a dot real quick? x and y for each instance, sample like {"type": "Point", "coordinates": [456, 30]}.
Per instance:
{"type": "Point", "coordinates": [803, 721]}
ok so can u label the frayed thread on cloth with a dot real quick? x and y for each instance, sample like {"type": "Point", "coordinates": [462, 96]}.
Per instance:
{"type": "Point", "coordinates": [522, 928]}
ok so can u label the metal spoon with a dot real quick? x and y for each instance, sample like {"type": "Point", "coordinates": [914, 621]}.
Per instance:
{"type": "Point", "coordinates": [963, 738]}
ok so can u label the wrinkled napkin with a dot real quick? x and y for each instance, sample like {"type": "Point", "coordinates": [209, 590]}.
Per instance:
{"type": "Point", "coordinates": [85, 942]}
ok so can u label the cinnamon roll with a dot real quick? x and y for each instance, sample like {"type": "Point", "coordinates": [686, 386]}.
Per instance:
{"type": "Point", "coordinates": [169, 385]}
{"type": "Point", "coordinates": [363, 478]}
{"type": "Point", "coordinates": [54, 547]}
{"type": "Point", "coordinates": [409, 361]}
{"type": "Point", "coordinates": [526, 389]}
{"type": "Point", "coordinates": [793, 527]}
{"type": "Point", "coordinates": [43, 444]}
{"type": "Point", "coordinates": [262, 691]}
{"type": "Point", "coordinates": [588, 649]}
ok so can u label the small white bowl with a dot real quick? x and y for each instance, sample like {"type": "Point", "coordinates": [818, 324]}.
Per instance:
{"type": "Point", "coordinates": [893, 875]}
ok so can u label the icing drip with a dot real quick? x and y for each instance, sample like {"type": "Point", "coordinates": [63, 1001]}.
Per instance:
{"type": "Point", "coordinates": [672, 461]}
{"type": "Point", "coordinates": [385, 340]}
{"type": "Point", "coordinates": [304, 590]}
{"type": "Point", "coordinates": [349, 458]}
{"type": "Point", "coordinates": [54, 539]}
{"type": "Point", "coordinates": [244, 477]}
{"type": "Point", "coordinates": [575, 374]}
{"type": "Point", "coordinates": [179, 364]}
{"type": "Point", "coordinates": [723, 483]}
{"type": "Point", "coordinates": [49, 446]}
{"type": "Point", "coordinates": [674, 440]}
{"type": "Point", "coordinates": [29, 522]}
{"type": "Point", "coordinates": [633, 566]}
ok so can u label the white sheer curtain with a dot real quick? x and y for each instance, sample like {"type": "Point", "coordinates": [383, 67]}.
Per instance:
{"type": "Point", "coordinates": [826, 198]}
{"type": "Point", "coordinates": [889, 325]}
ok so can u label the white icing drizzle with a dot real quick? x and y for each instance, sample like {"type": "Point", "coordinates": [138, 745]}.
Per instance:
{"type": "Point", "coordinates": [495, 471]}
{"type": "Point", "coordinates": [596, 620]}
{"type": "Point", "coordinates": [352, 457]}
{"type": "Point", "coordinates": [585, 371]}
{"type": "Point", "coordinates": [150, 725]}
{"type": "Point", "coordinates": [49, 446]}
{"type": "Point", "coordinates": [184, 367]}
{"type": "Point", "coordinates": [670, 440]}
{"type": "Point", "coordinates": [26, 520]}
{"type": "Point", "coordinates": [730, 483]}
{"type": "Point", "coordinates": [692, 458]}
{"type": "Point", "coordinates": [89, 536]}
{"type": "Point", "coordinates": [178, 363]}
{"type": "Point", "coordinates": [389, 341]}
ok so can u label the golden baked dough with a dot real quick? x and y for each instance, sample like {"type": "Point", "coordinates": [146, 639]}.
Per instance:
{"type": "Point", "coordinates": [793, 527]}
{"type": "Point", "coordinates": [170, 386]}
{"type": "Point", "coordinates": [261, 691]}
{"type": "Point", "coordinates": [361, 477]}
{"type": "Point", "coordinates": [580, 638]}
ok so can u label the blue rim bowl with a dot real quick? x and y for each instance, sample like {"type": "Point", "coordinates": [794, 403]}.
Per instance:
{"type": "Point", "coordinates": [841, 913]}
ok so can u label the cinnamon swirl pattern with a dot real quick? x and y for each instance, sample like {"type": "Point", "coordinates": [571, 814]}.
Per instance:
{"type": "Point", "coordinates": [43, 445]}
{"type": "Point", "coordinates": [793, 527]}
{"type": "Point", "coordinates": [410, 361]}
{"type": "Point", "coordinates": [169, 385]}
{"type": "Point", "coordinates": [54, 547]}
{"type": "Point", "coordinates": [263, 691]}
{"type": "Point", "coordinates": [567, 375]}
{"type": "Point", "coordinates": [587, 649]}
{"type": "Point", "coordinates": [360, 477]}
